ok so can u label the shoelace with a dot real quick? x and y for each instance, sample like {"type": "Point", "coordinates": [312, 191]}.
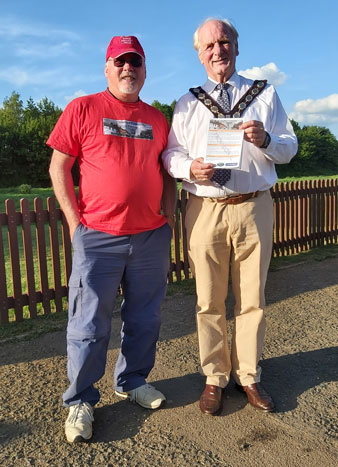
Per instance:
{"type": "Point", "coordinates": [81, 411]}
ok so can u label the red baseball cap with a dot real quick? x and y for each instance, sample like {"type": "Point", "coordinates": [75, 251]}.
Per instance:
{"type": "Point", "coordinates": [120, 45]}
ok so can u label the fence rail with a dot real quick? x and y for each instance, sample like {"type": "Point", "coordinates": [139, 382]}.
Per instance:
{"type": "Point", "coordinates": [35, 248]}
{"type": "Point", "coordinates": [305, 215]}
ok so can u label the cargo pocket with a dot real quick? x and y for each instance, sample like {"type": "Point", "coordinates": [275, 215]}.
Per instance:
{"type": "Point", "coordinates": [75, 297]}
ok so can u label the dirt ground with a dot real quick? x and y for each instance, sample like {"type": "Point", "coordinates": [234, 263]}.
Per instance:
{"type": "Point", "coordinates": [299, 369]}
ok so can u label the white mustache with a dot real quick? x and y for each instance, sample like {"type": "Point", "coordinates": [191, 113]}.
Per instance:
{"type": "Point", "coordinates": [129, 75]}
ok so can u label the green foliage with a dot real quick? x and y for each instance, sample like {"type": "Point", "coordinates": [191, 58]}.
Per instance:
{"type": "Point", "coordinates": [317, 153]}
{"type": "Point", "coordinates": [25, 189]}
{"type": "Point", "coordinates": [24, 156]}
{"type": "Point", "coordinates": [166, 109]}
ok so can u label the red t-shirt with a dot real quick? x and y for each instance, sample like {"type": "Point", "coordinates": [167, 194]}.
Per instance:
{"type": "Point", "coordinates": [118, 146]}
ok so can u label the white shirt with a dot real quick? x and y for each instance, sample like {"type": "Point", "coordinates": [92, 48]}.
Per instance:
{"type": "Point", "coordinates": [188, 139]}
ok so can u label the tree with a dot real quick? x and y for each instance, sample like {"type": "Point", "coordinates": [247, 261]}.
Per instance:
{"type": "Point", "coordinates": [24, 156]}
{"type": "Point", "coordinates": [166, 109]}
{"type": "Point", "coordinates": [11, 117]}
{"type": "Point", "coordinates": [317, 153]}
{"type": "Point", "coordinates": [38, 123]}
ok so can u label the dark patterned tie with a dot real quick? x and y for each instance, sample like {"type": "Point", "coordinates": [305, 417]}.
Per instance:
{"type": "Point", "coordinates": [221, 176]}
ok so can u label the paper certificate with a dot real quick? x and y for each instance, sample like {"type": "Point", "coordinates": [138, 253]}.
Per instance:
{"type": "Point", "coordinates": [224, 143]}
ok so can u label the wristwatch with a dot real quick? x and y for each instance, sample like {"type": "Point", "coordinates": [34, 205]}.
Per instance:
{"type": "Point", "coordinates": [266, 141]}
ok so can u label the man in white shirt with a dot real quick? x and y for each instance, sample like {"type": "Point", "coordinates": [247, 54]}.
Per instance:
{"type": "Point", "coordinates": [230, 224]}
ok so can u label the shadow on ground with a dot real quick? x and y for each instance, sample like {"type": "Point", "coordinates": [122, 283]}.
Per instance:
{"type": "Point", "coordinates": [289, 376]}
{"type": "Point", "coordinates": [178, 315]}
{"type": "Point", "coordinates": [285, 377]}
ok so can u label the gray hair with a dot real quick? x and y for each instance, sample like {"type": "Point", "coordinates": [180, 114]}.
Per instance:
{"type": "Point", "coordinates": [226, 24]}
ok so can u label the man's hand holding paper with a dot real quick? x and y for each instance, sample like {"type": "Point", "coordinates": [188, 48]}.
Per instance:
{"type": "Point", "coordinates": [201, 171]}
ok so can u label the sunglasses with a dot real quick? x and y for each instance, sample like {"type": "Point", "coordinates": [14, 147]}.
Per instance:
{"type": "Point", "coordinates": [135, 61]}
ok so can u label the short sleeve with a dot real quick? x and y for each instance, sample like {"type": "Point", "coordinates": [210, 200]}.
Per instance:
{"type": "Point", "coordinates": [65, 136]}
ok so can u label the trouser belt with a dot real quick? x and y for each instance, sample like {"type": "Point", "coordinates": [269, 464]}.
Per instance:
{"type": "Point", "coordinates": [237, 199]}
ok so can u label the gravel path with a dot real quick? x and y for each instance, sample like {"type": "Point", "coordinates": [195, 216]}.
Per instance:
{"type": "Point", "coordinates": [299, 370]}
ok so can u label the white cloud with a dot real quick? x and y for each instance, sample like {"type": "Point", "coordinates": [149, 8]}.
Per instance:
{"type": "Point", "coordinates": [269, 71]}
{"type": "Point", "coordinates": [15, 76]}
{"type": "Point", "coordinates": [321, 112]}
{"type": "Point", "coordinates": [43, 50]}
{"type": "Point", "coordinates": [76, 94]}
{"type": "Point", "coordinates": [51, 78]}
{"type": "Point", "coordinates": [11, 27]}
{"type": "Point", "coordinates": [24, 77]}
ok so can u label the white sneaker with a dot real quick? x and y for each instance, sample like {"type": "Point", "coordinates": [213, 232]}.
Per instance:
{"type": "Point", "coordinates": [146, 396]}
{"type": "Point", "coordinates": [78, 426]}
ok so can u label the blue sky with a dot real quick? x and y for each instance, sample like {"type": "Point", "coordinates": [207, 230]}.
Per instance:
{"type": "Point", "coordinates": [57, 49]}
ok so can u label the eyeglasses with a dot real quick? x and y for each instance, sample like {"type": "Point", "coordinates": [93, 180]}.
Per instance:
{"type": "Point", "coordinates": [135, 61]}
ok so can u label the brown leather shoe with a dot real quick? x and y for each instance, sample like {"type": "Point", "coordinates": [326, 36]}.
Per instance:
{"type": "Point", "coordinates": [257, 396]}
{"type": "Point", "coordinates": [211, 400]}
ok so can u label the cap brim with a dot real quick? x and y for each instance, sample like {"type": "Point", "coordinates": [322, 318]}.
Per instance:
{"type": "Point", "coordinates": [128, 52]}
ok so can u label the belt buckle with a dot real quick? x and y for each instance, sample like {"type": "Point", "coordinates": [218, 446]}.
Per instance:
{"type": "Point", "coordinates": [232, 197]}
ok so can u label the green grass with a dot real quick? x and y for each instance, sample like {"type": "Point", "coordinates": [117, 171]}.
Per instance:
{"type": "Point", "coordinates": [14, 193]}
{"type": "Point", "coordinates": [31, 328]}
{"type": "Point", "coordinates": [312, 177]}
{"type": "Point", "coordinates": [316, 254]}
{"type": "Point", "coordinates": [185, 287]}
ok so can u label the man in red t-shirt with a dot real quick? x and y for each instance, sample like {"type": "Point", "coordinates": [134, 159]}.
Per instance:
{"type": "Point", "coordinates": [118, 232]}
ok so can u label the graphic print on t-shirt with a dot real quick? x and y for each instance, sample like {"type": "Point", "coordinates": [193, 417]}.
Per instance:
{"type": "Point", "coordinates": [127, 129]}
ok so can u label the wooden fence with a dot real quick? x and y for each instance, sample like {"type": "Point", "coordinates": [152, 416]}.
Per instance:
{"type": "Point", "coordinates": [35, 248]}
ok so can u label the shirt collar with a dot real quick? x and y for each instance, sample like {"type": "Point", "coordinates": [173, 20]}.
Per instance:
{"type": "Point", "coordinates": [211, 84]}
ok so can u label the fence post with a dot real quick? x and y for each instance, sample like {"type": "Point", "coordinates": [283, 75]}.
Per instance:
{"type": "Point", "coordinates": [67, 248]}
{"type": "Point", "coordinates": [15, 258]}
{"type": "Point", "coordinates": [183, 200]}
{"type": "Point", "coordinates": [3, 282]}
{"type": "Point", "coordinates": [177, 256]}
{"type": "Point", "coordinates": [28, 253]}
{"type": "Point", "coordinates": [41, 247]}
{"type": "Point", "coordinates": [55, 251]}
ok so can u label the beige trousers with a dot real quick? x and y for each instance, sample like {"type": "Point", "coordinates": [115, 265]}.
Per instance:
{"type": "Point", "coordinates": [237, 236]}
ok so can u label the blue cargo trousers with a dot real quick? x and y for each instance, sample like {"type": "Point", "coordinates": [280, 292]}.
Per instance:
{"type": "Point", "coordinates": [101, 262]}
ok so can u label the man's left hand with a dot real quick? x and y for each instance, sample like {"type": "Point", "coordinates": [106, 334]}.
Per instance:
{"type": "Point", "coordinates": [254, 132]}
